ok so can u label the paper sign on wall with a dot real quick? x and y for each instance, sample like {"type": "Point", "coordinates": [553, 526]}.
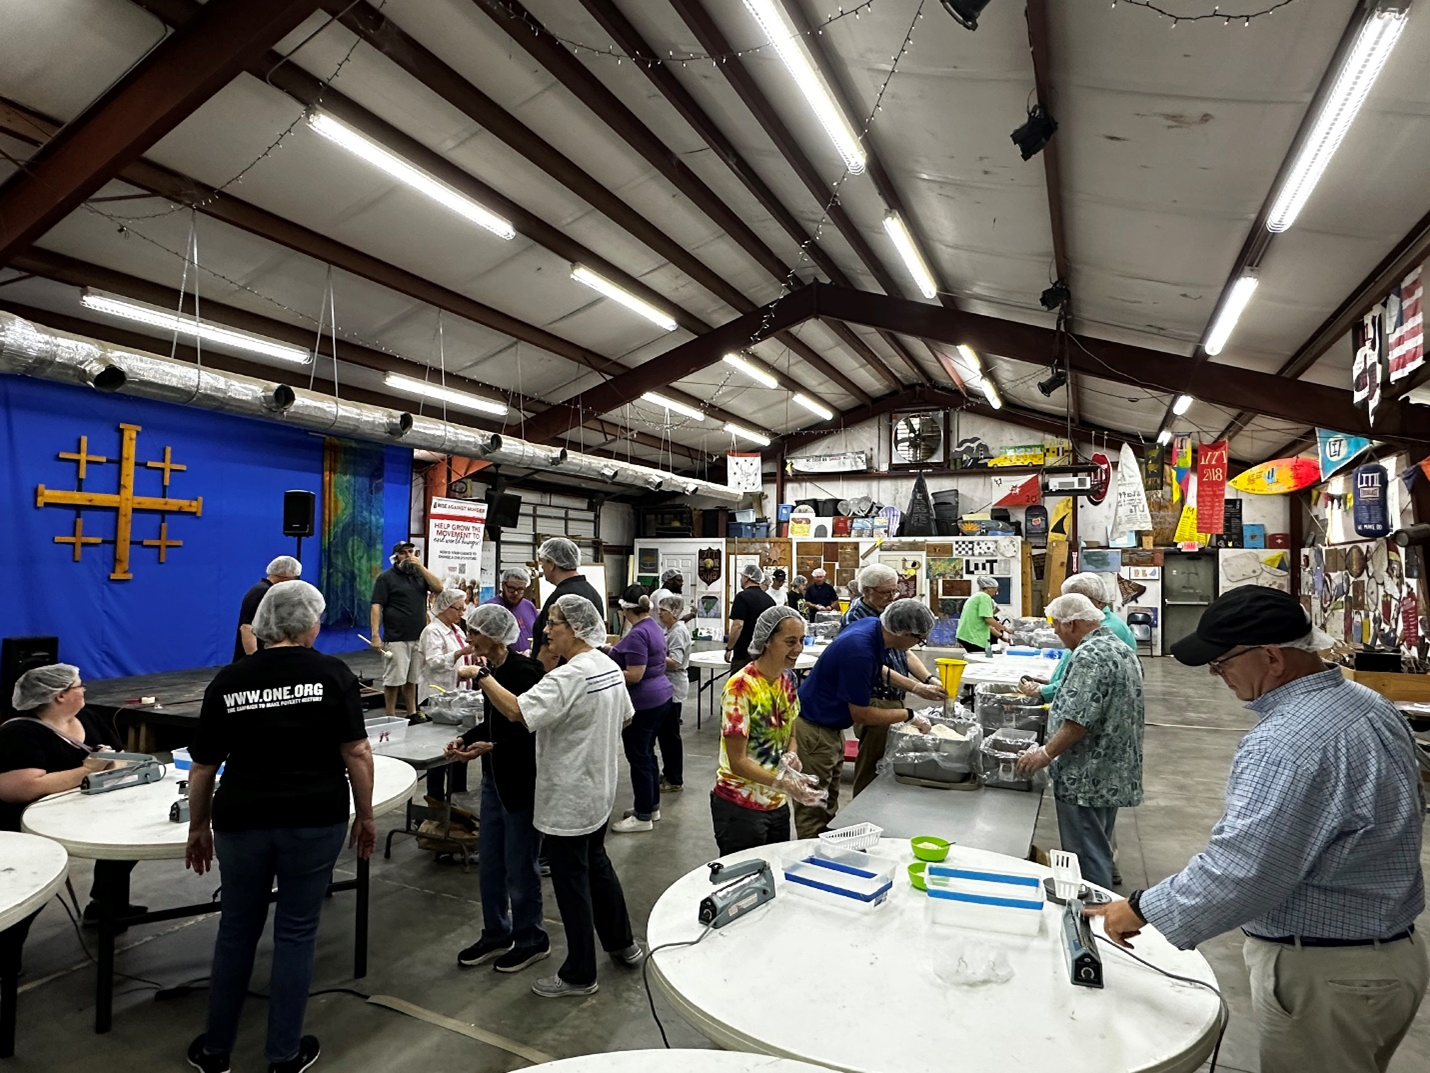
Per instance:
{"type": "Point", "coordinates": [1130, 511]}
{"type": "Point", "coordinates": [455, 528]}
{"type": "Point", "coordinates": [1211, 486]}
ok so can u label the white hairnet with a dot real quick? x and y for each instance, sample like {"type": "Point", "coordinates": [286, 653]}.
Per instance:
{"type": "Point", "coordinates": [674, 603]}
{"type": "Point", "coordinates": [669, 574]}
{"type": "Point", "coordinates": [1073, 607]}
{"type": "Point", "coordinates": [494, 621]}
{"type": "Point", "coordinates": [820, 573]}
{"type": "Point", "coordinates": [874, 575]}
{"type": "Point", "coordinates": [754, 573]}
{"type": "Point", "coordinates": [516, 573]}
{"type": "Point", "coordinates": [36, 688]}
{"type": "Point", "coordinates": [288, 611]}
{"type": "Point", "coordinates": [800, 579]}
{"type": "Point", "coordinates": [908, 616]}
{"type": "Point", "coordinates": [583, 618]}
{"type": "Point", "coordinates": [564, 553]}
{"type": "Point", "coordinates": [986, 582]}
{"type": "Point", "coordinates": [445, 599]}
{"type": "Point", "coordinates": [1090, 585]}
{"type": "Point", "coordinates": [1313, 641]}
{"type": "Point", "coordinates": [768, 622]}
{"type": "Point", "coordinates": [285, 566]}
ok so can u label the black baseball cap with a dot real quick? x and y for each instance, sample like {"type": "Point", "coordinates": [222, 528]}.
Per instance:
{"type": "Point", "coordinates": [1248, 615]}
{"type": "Point", "coordinates": [779, 574]}
{"type": "Point", "coordinates": [403, 545]}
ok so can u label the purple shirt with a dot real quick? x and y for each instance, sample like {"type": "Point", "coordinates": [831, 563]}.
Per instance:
{"type": "Point", "coordinates": [525, 613]}
{"type": "Point", "coordinates": [645, 645]}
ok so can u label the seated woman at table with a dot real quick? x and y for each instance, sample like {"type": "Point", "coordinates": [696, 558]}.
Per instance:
{"type": "Point", "coordinates": [50, 748]}
{"type": "Point", "coordinates": [288, 724]}
{"type": "Point", "coordinates": [446, 664]}
{"type": "Point", "coordinates": [758, 765]}
{"type": "Point", "coordinates": [576, 712]}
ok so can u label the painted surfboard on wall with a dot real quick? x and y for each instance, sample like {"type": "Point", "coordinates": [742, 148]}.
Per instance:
{"type": "Point", "coordinates": [1279, 476]}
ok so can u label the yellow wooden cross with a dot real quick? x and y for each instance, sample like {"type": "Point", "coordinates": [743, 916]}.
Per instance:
{"type": "Point", "coordinates": [125, 501]}
{"type": "Point", "coordinates": [163, 543]}
{"type": "Point", "coordinates": [167, 466]}
{"type": "Point", "coordinates": [79, 540]}
{"type": "Point", "coordinates": [83, 457]}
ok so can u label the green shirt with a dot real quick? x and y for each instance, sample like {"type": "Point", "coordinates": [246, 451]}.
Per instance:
{"type": "Point", "coordinates": [972, 624]}
{"type": "Point", "coordinates": [1102, 691]}
{"type": "Point", "coordinates": [1113, 623]}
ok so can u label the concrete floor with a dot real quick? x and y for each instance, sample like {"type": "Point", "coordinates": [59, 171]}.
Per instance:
{"type": "Point", "coordinates": [423, 913]}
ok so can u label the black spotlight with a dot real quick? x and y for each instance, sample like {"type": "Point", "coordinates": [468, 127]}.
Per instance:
{"type": "Point", "coordinates": [1055, 296]}
{"type": "Point", "coordinates": [1034, 134]}
{"type": "Point", "coordinates": [1053, 382]}
{"type": "Point", "coordinates": [966, 11]}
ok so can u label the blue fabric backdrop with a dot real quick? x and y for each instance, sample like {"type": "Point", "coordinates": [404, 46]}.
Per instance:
{"type": "Point", "coordinates": [181, 613]}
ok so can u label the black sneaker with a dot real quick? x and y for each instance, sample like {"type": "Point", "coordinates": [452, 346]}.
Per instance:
{"type": "Point", "coordinates": [519, 957]}
{"type": "Point", "coordinates": [207, 1063]}
{"type": "Point", "coordinates": [482, 951]}
{"type": "Point", "coordinates": [308, 1051]}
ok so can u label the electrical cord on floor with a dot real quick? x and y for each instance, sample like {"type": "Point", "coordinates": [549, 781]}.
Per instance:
{"type": "Point", "coordinates": [79, 935]}
{"type": "Point", "coordinates": [183, 990]}
{"type": "Point", "coordinates": [1224, 1014]}
{"type": "Point", "coordinates": [645, 977]}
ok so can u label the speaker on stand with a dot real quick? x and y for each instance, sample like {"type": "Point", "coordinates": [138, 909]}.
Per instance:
{"type": "Point", "coordinates": [299, 514]}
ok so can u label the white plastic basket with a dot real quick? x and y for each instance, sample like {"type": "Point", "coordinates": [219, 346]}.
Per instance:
{"type": "Point", "coordinates": [855, 836]}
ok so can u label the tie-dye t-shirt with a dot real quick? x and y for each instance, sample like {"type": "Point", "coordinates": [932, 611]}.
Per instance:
{"type": "Point", "coordinates": [763, 712]}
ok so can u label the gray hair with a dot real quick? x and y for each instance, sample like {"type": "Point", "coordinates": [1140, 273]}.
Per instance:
{"type": "Point", "coordinates": [288, 611]}
{"type": "Point", "coordinates": [39, 687]}
{"type": "Point", "coordinates": [754, 573]}
{"type": "Point", "coordinates": [674, 603]}
{"type": "Point", "coordinates": [1089, 585]}
{"type": "Point", "coordinates": [873, 575]}
{"type": "Point", "coordinates": [445, 599]}
{"type": "Point", "coordinates": [285, 566]}
{"type": "Point", "coordinates": [986, 582]}
{"type": "Point", "coordinates": [494, 621]}
{"type": "Point", "coordinates": [583, 618]}
{"type": "Point", "coordinates": [908, 616]}
{"type": "Point", "coordinates": [766, 625]}
{"type": "Point", "coordinates": [561, 552]}
{"type": "Point", "coordinates": [517, 573]}
{"type": "Point", "coordinates": [1073, 607]}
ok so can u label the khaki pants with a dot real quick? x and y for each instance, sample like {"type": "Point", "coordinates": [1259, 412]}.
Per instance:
{"type": "Point", "coordinates": [873, 740]}
{"type": "Point", "coordinates": [821, 754]}
{"type": "Point", "coordinates": [1334, 1009]}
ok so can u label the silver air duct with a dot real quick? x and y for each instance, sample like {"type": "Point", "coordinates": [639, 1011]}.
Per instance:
{"type": "Point", "coordinates": [33, 350]}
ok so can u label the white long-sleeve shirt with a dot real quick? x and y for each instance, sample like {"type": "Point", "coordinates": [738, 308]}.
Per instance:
{"type": "Point", "coordinates": [438, 646]}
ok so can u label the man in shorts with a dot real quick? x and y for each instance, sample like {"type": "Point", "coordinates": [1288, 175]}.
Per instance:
{"type": "Point", "coordinates": [399, 614]}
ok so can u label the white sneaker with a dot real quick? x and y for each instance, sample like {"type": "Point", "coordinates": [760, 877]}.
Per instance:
{"type": "Point", "coordinates": [655, 816]}
{"type": "Point", "coordinates": [630, 825]}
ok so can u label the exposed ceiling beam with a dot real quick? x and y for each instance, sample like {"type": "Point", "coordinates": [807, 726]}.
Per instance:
{"type": "Point", "coordinates": [713, 40]}
{"type": "Point", "coordinates": [151, 99]}
{"type": "Point", "coordinates": [383, 34]}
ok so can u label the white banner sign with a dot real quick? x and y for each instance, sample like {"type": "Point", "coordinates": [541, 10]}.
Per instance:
{"type": "Point", "coordinates": [1130, 512]}
{"type": "Point", "coordinates": [454, 539]}
{"type": "Point", "coordinates": [849, 462]}
{"type": "Point", "coordinates": [743, 469]}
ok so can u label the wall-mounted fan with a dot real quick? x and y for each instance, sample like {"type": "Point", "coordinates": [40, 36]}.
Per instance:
{"type": "Point", "coordinates": [918, 439]}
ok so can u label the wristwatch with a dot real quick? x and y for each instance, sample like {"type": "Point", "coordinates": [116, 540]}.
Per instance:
{"type": "Point", "coordinates": [931, 680]}
{"type": "Point", "coordinates": [1134, 901]}
{"type": "Point", "coordinates": [482, 672]}
{"type": "Point", "coordinates": [908, 715]}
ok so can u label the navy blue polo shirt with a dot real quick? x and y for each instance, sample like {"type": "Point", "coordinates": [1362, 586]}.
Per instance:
{"type": "Point", "coordinates": [847, 672]}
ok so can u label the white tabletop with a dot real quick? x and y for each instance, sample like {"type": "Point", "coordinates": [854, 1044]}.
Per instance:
{"type": "Point", "coordinates": [1006, 670]}
{"type": "Point", "coordinates": [31, 869]}
{"type": "Point", "coordinates": [715, 659]}
{"type": "Point", "coordinates": [133, 824]}
{"type": "Point", "coordinates": [687, 1061]}
{"type": "Point", "coordinates": [863, 994]}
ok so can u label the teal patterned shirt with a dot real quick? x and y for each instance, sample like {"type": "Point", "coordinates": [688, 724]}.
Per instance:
{"type": "Point", "coordinates": [1102, 691]}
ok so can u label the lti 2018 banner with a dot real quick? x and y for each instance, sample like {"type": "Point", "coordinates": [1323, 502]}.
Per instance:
{"type": "Point", "coordinates": [454, 540]}
{"type": "Point", "coordinates": [1211, 486]}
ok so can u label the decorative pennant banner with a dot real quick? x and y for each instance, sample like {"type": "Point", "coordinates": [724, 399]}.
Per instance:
{"type": "Point", "coordinates": [1368, 338]}
{"type": "Point", "coordinates": [1278, 477]}
{"type": "Point", "coordinates": [1337, 450]}
{"type": "Point", "coordinates": [1404, 328]}
{"type": "Point", "coordinates": [1060, 520]}
{"type": "Point", "coordinates": [743, 471]}
{"type": "Point", "coordinates": [1187, 525]}
{"type": "Point", "coordinates": [1017, 491]}
{"type": "Point", "coordinates": [1211, 486]}
{"type": "Point", "coordinates": [848, 462]}
{"type": "Point", "coordinates": [1181, 461]}
{"type": "Point", "coordinates": [1130, 512]}
{"type": "Point", "coordinates": [1154, 462]}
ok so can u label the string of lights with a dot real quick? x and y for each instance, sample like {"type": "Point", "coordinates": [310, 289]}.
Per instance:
{"type": "Point", "coordinates": [671, 56]}
{"type": "Point", "coordinates": [1226, 17]}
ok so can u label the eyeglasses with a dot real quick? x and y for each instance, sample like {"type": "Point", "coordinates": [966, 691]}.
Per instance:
{"type": "Point", "coordinates": [921, 638]}
{"type": "Point", "coordinates": [1217, 664]}
{"type": "Point", "coordinates": [885, 592]}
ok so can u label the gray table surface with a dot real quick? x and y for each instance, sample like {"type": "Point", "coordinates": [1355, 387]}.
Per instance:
{"type": "Point", "coordinates": [422, 746]}
{"type": "Point", "coordinates": [1000, 821]}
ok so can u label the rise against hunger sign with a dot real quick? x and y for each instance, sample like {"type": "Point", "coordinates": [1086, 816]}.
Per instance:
{"type": "Point", "coordinates": [455, 528]}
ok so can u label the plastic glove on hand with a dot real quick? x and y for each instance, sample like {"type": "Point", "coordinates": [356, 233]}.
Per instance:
{"type": "Point", "coordinates": [791, 761]}
{"type": "Point", "coordinates": [921, 724]}
{"type": "Point", "coordinates": [803, 788]}
{"type": "Point", "coordinates": [1033, 760]}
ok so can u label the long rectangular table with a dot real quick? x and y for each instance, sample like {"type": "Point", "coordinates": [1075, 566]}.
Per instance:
{"type": "Point", "coordinates": [1000, 821]}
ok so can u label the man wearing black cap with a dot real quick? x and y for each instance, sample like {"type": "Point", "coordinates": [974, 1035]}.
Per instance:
{"type": "Point", "coordinates": [399, 614]}
{"type": "Point", "coordinates": [1317, 857]}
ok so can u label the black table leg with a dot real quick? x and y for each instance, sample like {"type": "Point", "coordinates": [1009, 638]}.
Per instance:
{"type": "Point", "coordinates": [360, 929]}
{"type": "Point", "coordinates": [8, 995]}
{"type": "Point", "coordinates": [104, 982]}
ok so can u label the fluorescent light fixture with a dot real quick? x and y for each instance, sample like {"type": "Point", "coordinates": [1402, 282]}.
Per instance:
{"type": "Point", "coordinates": [582, 274]}
{"type": "Point", "coordinates": [753, 370]}
{"type": "Point", "coordinates": [971, 356]}
{"type": "Point", "coordinates": [913, 260]}
{"type": "Point", "coordinates": [741, 431]}
{"type": "Point", "coordinates": [409, 385]}
{"type": "Point", "coordinates": [192, 328]}
{"type": "Point", "coordinates": [1353, 83]}
{"type": "Point", "coordinates": [1164, 437]}
{"type": "Point", "coordinates": [812, 406]}
{"type": "Point", "coordinates": [990, 392]}
{"type": "Point", "coordinates": [673, 406]}
{"type": "Point", "coordinates": [364, 147]}
{"type": "Point", "coordinates": [1225, 323]}
{"type": "Point", "coordinates": [788, 46]}
{"type": "Point", "coordinates": [1182, 405]}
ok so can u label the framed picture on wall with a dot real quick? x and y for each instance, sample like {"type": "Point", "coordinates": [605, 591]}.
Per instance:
{"type": "Point", "coordinates": [918, 439]}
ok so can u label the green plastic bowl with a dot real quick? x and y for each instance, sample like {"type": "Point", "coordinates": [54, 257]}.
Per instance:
{"type": "Point", "coordinates": [929, 848]}
{"type": "Point", "coordinates": [916, 875]}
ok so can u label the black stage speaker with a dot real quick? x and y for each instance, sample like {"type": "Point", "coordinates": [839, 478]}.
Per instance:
{"type": "Point", "coordinates": [299, 510]}
{"type": "Point", "coordinates": [18, 655]}
{"type": "Point", "coordinates": [503, 510]}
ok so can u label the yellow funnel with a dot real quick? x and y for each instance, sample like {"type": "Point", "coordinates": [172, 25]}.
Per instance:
{"type": "Point", "coordinates": [950, 673]}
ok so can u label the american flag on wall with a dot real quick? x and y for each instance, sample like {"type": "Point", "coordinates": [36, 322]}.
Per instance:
{"type": "Point", "coordinates": [1404, 327]}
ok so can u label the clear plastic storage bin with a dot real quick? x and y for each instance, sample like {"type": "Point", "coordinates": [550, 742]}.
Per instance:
{"type": "Point", "coordinates": [843, 885]}
{"type": "Point", "coordinates": [1002, 901]}
{"type": "Point", "coordinates": [386, 730]}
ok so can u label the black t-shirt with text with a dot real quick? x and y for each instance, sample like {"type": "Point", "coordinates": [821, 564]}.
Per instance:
{"type": "Point", "coordinates": [403, 598]}
{"type": "Point", "coordinates": [751, 602]}
{"type": "Point", "coordinates": [246, 610]}
{"type": "Point", "coordinates": [27, 743]}
{"type": "Point", "coordinates": [276, 720]}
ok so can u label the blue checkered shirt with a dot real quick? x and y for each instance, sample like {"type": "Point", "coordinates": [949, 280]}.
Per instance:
{"type": "Point", "coordinates": [1321, 834]}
